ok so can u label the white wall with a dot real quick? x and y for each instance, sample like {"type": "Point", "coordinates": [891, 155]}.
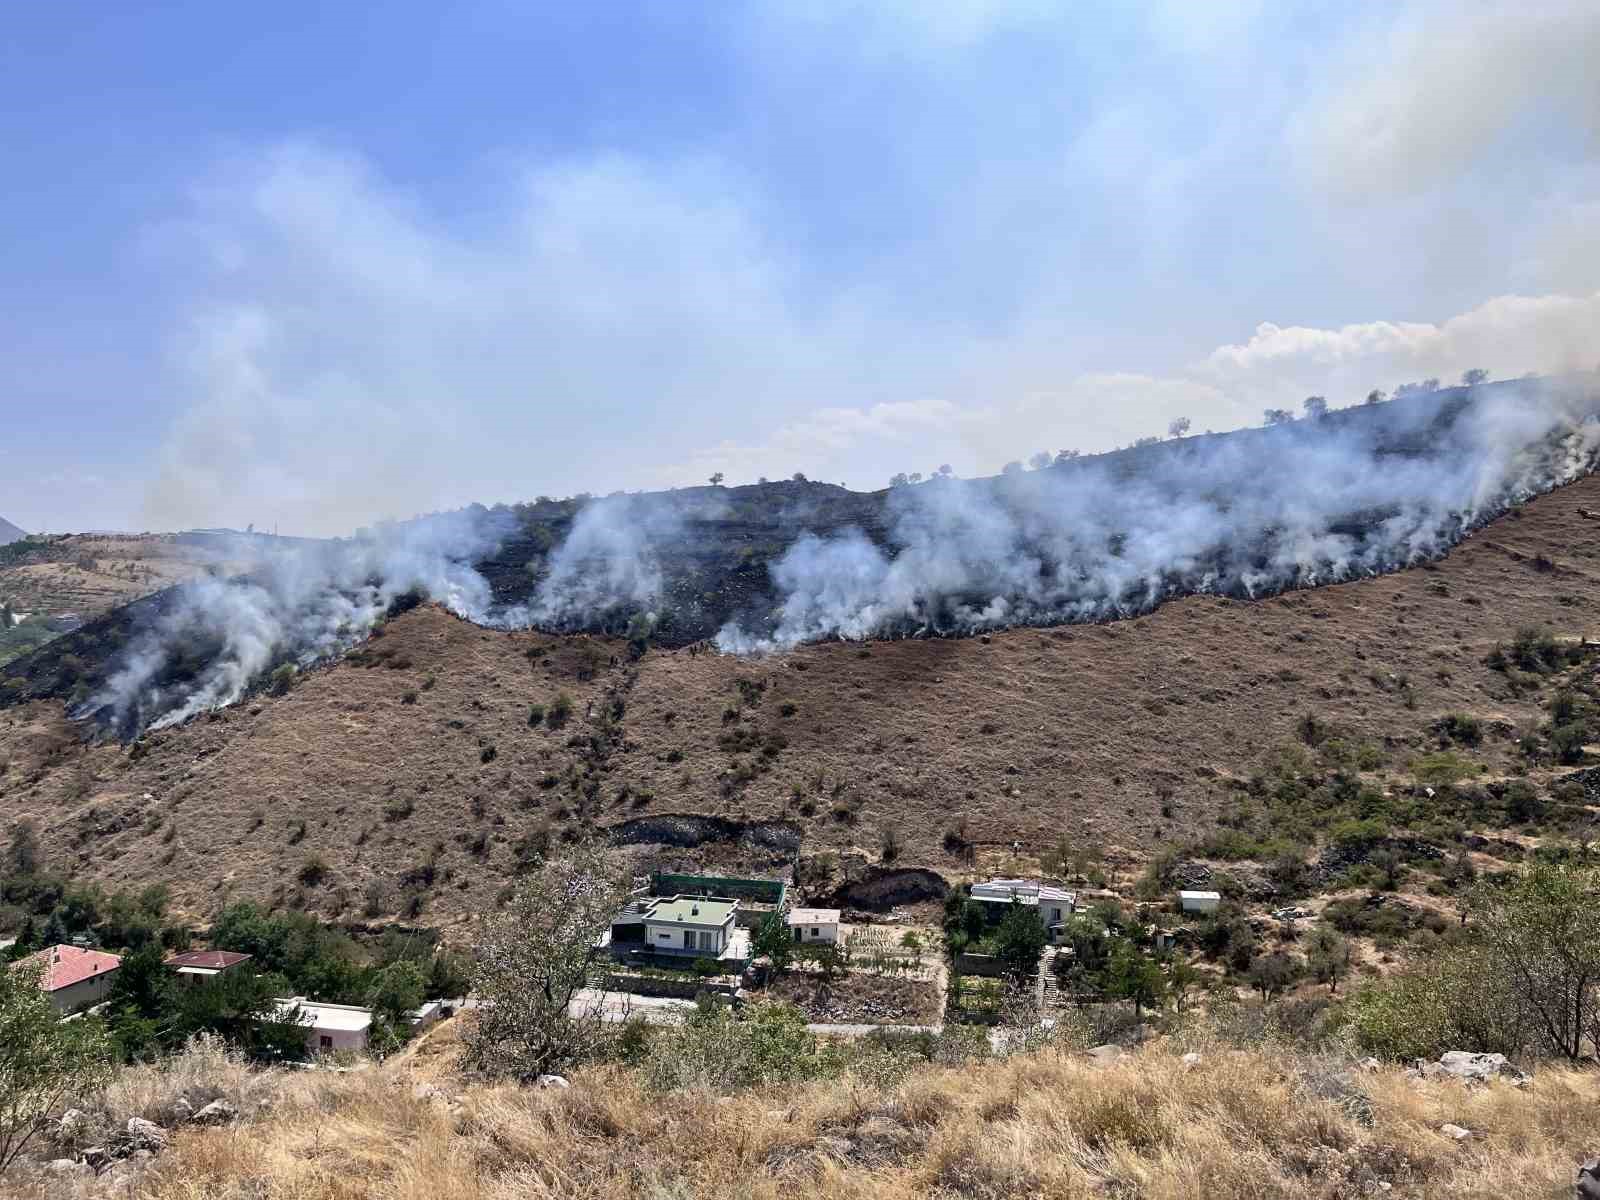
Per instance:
{"type": "Point", "coordinates": [816, 933]}
{"type": "Point", "coordinates": [86, 993]}
{"type": "Point", "coordinates": [671, 937]}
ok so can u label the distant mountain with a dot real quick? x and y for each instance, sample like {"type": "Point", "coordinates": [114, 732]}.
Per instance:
{"type": "Point", "coordinates": [10, 533]}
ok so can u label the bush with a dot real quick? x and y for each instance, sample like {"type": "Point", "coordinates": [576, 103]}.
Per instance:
{"type": "Point", "coordinates": [281, 680]}
{"type": "Point", "coordinates": [560, 710]}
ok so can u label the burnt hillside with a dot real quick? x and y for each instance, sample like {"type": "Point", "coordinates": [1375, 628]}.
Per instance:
{"type": "Point", "coordinates": [411, 769]}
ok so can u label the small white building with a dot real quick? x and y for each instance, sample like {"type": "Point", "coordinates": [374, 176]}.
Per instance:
{"type": "Point", "coordinates": [329, 1027]}
{"type": "Point", "coordinates": [1054, 904]}
{"type": "Point", "coordinates": [1199, 902]}
{"type": "Point", "coordinates": [689, 925]}
{"type": "Point", "coordinates": [815, 926]}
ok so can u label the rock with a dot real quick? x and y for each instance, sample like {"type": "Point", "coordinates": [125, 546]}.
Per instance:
{"type": "Point", "coordinates": [218, 1112]}
{"type": "Point", "coordinates": [68, 1166]}
{"type": "Point", "coordinates": [145, 1135]}
{"type": "Point", "coordinates": [73, 1126]}
{"type": "Point", "coordinates": [1107, 1053]}
{"type": "Point", "coordinates": [1477, 1068]}
{"type": "Point", "coordinates": [426, 1091]}
{"type": "Point", "coordinates": [834, 1147]}
{"type": "Point", "coordinates": [1191, 1060]}
{"type": "Point", "coordinates": [1370, 1064]}
{"type": "Point", "coordinates": [1455, 1133]}
{"type": "Point", "coordinates": [1586, 1181]}
{"type": "Point", "coordinates": [96, 1158]}
{"type": "Point", "coordinates": [551, 1081]}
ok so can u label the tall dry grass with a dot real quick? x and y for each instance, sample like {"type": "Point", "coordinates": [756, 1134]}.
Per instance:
{"type": "Point", "coordinates": [1241, 1124]}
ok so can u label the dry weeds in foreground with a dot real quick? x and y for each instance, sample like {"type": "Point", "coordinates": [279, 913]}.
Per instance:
{"type": "Point", "coordinates": [1241, 1124]}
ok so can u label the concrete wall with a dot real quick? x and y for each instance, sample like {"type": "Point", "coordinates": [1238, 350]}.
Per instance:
{"type": "Point", "coordinates": [823, 933]}
{"type": "Point", "coordinates": [341, 1039]}
{"type": "Point", "coordinates": [86, 993]}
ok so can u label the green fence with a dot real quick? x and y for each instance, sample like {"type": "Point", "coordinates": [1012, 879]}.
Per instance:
{"type": "Point", "coordinates": [763, 891]}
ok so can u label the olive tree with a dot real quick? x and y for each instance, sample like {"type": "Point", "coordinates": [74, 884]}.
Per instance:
{"type": "Point", "coordinates": [43, 1059]}
{"type": "Point", "coordinates": [533, 961]}
{"type": "Point", "coordinates": [1542, 936]}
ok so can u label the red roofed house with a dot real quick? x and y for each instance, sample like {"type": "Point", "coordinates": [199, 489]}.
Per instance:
{"type": "Point", "coordinates": [75, 979]}
{"type": "Point", "coordinates": [197, 966]}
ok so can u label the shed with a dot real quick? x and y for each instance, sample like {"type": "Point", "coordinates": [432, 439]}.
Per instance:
{"type": "Point", "coordinates": [815, 926]}
{"type": "Point", "coordinates": [197, 966]}
{"type": "Point", "coordinates": [329, 1027]}
{"type": "Point", "coordinates": [1199, 902]}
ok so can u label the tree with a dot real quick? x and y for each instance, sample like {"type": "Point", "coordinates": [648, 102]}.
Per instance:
{"type": "Point", "coordinates": [1011, 468]}
{"type": "Point", "coordinates": [944, 471]}
{"type": "Point", "coordinates": [1542, 936]}
{"type": "Point", "coordinates": [1063, 456]}
{"type": "Point", "coordinates": [1020, 940]}
{"type": "Point", "coordinates": [1376, 396]}
{"type": "Point", "coordinates": [141, 1001]}
{"type": "Point", "coordinates": [1276, 416]}
{"type": "Point", "coordinates": [799, 477]}
{"type": "Point", "coordinates": [774, 941]}
{"type": "Point", "coordinates": [1328, 956]}
{"type": "Point", "coordinates": [396, 991]}
{"type": "Point", "coordinates": [1178, 427]}
{"type": "Point", "coordinates": [1040, 460]}
{"type": "Point", "coordinates": [899, 480]}
{"type": "Point", "coordinates": [533, 960]}
{"type": "Point", "coordinates": [1474, 377]}
{"type": "Point", "coordinates": [43, 1060]}
{"type": "Point", "coordinates": [1316, 407]}
{"type": "Point", "coordinates": [1133, 975]}
{"type": "Point", "coordinates": [1272, 973]}
{"type": "Point", "coordinates": [716, 478]}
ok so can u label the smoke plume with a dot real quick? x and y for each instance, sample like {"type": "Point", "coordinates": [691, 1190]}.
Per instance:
{"type": "Point", "coordinates": [1299, 504]}
{"type": "Point", "coordinates": [1353, 493]}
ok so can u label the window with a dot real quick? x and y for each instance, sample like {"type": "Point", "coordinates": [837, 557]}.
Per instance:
{"type": "Point", "coordinates": [325, 1042]}
{"type": "Point", "coordinates": [815, 932]}
{"type": "Point", "coordinates": [691, 939]}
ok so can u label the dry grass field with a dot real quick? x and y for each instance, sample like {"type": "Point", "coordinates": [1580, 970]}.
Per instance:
{"type": "Point", "coordinates": [412, 773]}
{"type": "Point", "coordinates": [92, 573]}
{"type": "Point", "coordinates": [1240, 1125]}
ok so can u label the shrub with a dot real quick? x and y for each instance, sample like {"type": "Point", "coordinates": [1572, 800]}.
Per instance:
{"type": "Point", "coordinates": [560, 710]}
{"type": "Point", "coordinates": [535, 715]}
{"type": "Point", "coordinates": [313, 871]}
{"type": "Point", "coordinates": [281, 679]}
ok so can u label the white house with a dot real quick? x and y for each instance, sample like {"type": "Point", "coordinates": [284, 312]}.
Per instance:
{"type": "Point", "coordinates": [73, 978]}
{"type": "Point", "coordinates": [815, 926]}
{"type": "Point", "coordinates": [329, 1027]}
{"type": "Point", "coordinates": [689, 925]}
{"type": "Point", "coordinates": [1199, 902]}
{"type": "Point", "coordinates": [1054, 904]}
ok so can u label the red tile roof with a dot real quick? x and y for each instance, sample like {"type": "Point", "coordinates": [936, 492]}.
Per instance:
{"type": "Point", "coordinates": [211, 960]}
{"type": "Point", "coordinates": [67, 965]}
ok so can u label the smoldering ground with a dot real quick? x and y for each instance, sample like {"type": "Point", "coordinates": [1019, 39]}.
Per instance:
{"type": "Point", "coordinates": [1358, 492]}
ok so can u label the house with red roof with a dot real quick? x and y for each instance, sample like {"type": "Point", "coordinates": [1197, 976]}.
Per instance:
{"type": "Point", "coordinates": [198, 966]}
{"type": "Point", "coordinates": [74, 978]}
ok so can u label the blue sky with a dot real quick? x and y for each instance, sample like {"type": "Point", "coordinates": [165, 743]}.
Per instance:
{"type": "Point", "coordinates": [318, 264]}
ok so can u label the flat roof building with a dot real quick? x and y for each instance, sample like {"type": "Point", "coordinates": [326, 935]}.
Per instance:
{"type": "Point", "coordinates": [701, 926]}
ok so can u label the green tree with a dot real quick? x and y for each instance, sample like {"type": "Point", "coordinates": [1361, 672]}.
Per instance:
{"type": "Point", "coordinates": [1328, 956]}
{"type": "Point", "coordinates": [532, 963]}
{"type": "Point", "coordinates": [1020, 940]}
{"type": "Point", "coordinates": [775, 941]}
{"type": "Point", "coordinates": [142, 999]}
{"type": "Point", "coordinates": [1132, 975]}
{"type": "Point", "coordinates": [393, 994]}
{"type": "Point", "coordinates": [1272, 973]}
{"type": "Point", "coordinates": [1542, 935]}
{"type": "Point", "coordinates": [43, 1060]}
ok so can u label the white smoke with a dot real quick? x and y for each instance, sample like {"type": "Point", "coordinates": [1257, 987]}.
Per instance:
{"type": "Point", "coordinates": [1296, 505]}
{"type": "Point", "coordinates": [295, 605]}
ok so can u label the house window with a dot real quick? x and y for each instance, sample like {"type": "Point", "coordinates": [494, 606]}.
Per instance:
{"type": "Point", "coordinates": [325, 1042]}
{"type": "Point", "coordinates": [691, 940]}
{"type": "Point", "coordinates": [815, 932]}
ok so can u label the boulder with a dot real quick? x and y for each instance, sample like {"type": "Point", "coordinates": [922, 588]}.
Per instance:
{"type": "Point", "coordinates": [1191, 1060]}
{"type": "Point", "coordinates": [1456, 1133]}
{"type": "Point", "coordinates": [218, 1112]}
{"type": "Point", "coordinates": [1108, 1053]}
{"type": "Point", "coordinates": [73, 1127]}
{"type": "Point", "coordinates": [1586, 1182]}
{"type": "Point", "coordinates": [145, 1135]}
{"type": "Point", "coordinates": [96, 1158]}
{"type": "Point", "coordinates": [551, 1081]}
{"type": "Point", "coordinates": [68, 1166]}
{"type": "Point", "coordinates": [1477, 1068]}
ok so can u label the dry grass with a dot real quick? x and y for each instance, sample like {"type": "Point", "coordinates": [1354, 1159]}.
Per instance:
{"type": "Point", "coordinates": [1243, 1124]}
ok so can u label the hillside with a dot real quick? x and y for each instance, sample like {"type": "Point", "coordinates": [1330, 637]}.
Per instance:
{"type": "Point", "coordinates": [411, 771]}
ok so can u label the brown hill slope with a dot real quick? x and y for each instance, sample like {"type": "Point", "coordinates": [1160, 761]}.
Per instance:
{"type": "Point", "coordinates": [412, 773]}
